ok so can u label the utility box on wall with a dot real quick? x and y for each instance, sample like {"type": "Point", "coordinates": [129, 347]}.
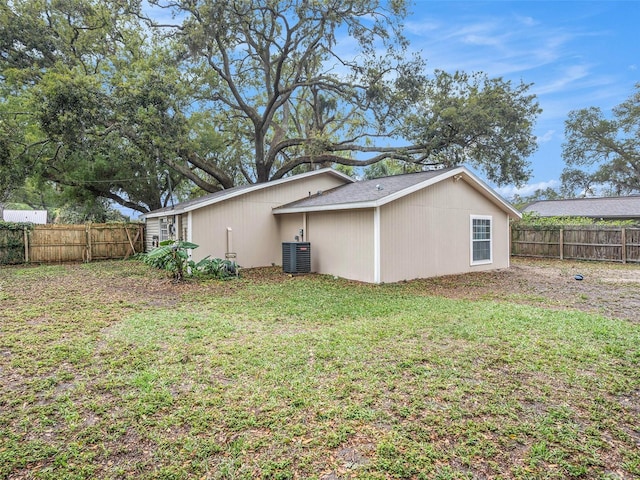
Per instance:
{"type": "Point", "coordinates": [296, 257]}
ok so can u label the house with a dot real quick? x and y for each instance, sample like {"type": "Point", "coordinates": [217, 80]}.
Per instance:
{"type": "Point", "coordinates": [237, 220]}
{"type": "Point", "coordinates": [402, 227]}
{"type": "Point", "coordinates": [384, 230]}
{"type": "Point", "coordinates": [602, 208]}
{"type": "Point", "coordinates": [25, 216]}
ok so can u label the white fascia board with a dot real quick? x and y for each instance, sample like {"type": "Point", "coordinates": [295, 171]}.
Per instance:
{"type": "Point", "coordinates": [324, 208]}
{"type": "Point", "coordinates": [253, 188]}
{"type": "Point", "coordinates": [166, 213]}
{"type": "Point", "coordinates": [467, 176]}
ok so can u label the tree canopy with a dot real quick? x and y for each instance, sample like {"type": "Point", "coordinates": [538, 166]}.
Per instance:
{"type": "Point", "coordinates": [80, 99]}
{"type": "Point", "coordinates": [111, 99]}
{"type": "Point", "coordinates": [601, 151]}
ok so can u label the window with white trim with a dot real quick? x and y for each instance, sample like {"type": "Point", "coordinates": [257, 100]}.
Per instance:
{"type": "Point", "coordinates": [481, 239]}
{"type": "Point", "coordinates": [164, 229]}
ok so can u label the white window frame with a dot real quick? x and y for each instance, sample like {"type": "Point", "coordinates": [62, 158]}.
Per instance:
{"type": "Point", "coordinates": [163, 223]}
{"type": "Point", "coordinates": [472, 241]}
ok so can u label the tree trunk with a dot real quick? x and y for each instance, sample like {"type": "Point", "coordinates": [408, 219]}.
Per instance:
{"type": "Point", "coordinates": [262, 169]}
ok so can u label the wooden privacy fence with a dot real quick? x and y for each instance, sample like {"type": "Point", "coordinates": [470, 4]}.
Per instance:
{"type": "Point", "coordinates": [74, 243]}
{"type": "Point", "coordinates": [611, 244]}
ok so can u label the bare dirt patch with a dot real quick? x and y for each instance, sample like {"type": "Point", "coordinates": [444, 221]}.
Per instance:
{"type": "Point", "coordinates": [612, 290]}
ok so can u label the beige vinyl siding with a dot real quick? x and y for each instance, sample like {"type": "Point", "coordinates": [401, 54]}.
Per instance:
{"type": "Point", "coordinates": [342, 243]}
{"type": "Point", "coordinates": [152, 228]}
{"type": "Point", "coordinates": [427, 233]}
{"type": "Point", "coordinates": [289, 226]}
{"type": "Point", "coordinates": [255, 230]}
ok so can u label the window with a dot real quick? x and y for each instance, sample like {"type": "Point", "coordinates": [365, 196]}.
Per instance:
{"type": "Point", "coordinates": [481, 245]}
{"type": "Point", "coordinates": [164, 229]}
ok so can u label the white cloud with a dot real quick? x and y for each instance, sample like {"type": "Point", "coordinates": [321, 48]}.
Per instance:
{"type": "Point", "coordinates": [546, 137]}
{"type": "Point", "coordinates": [510, 191]}
{"type": "Point", "coordinates": [527, 21]}
{"type": "Point", "coordinates": [499, 46]}
{"type": "Point", "coordinates": [418, 29]}
{"type": "Point", "coordinates": [569, 76]}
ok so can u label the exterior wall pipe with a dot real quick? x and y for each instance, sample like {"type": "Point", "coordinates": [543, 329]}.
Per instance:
{"type": "Point", "coordinates": [229, 240]}
{"type": "Point", "coordinates": [376, 245]}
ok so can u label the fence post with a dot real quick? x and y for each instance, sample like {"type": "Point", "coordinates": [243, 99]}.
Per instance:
{"type": "Point", "coordinates": [624, 245]}
{"type": "Point", "coordinates": [88, 232]}
{"type": "Point", "coordinates": [561, 244]}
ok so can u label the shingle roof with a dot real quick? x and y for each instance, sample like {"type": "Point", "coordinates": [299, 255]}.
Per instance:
{"type": "Point", "coordinates": [604, 207]}
{"type": "Point", "coordinates": [366, 190]}
{"type": "Point", "coordinates": [222, 195]}
{"type": "Point", "coordinates": [379, 191]}
{"type": "Point", "coordinates": [184, 206]}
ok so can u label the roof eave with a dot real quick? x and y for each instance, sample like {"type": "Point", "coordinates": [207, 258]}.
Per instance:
{"type": "Point", "coordinates": [324, 208]}
{"type": "Point", "coordinates": [163, 213]}
{"type": "Point", "coordinates": [466, 174]}
{"type": "Point", "coordinates": [253, 188]}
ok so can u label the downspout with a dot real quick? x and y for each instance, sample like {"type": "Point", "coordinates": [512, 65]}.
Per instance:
{"type": "Point", "coordinates": [229, 240]}
{"type": "Point", "coordinates": [189, 231]}
{"type": "Point", "coordinates": [508, 240]}
{"type": "Point", "coordinates": [376, 245]}
{"type": "Point", "coordinates": [304, 226]}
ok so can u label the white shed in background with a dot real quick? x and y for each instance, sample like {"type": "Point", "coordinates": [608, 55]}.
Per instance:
{"type": "Point", "coordinates": [25, 216]}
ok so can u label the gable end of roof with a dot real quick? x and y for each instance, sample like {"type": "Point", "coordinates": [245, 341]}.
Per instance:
{"type": "Point", "coordinates": [315, 204]}
{"type": "Point", "coordinates": [224, 195]}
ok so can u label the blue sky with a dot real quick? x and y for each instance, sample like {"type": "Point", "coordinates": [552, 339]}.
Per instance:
{"type": "Point", "coordinates": [577, 54]}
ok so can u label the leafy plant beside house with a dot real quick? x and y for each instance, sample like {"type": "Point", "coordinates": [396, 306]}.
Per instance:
{"type": "Point", "coordinates": [172, 255]}
{"type": "Point", "coordinates": [217, 267]}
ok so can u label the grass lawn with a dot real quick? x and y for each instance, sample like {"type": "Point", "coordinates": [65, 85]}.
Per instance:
{"type": "Point", "coordinates": [109, 370]}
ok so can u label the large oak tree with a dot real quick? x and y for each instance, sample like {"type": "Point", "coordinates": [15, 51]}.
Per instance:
{"type": "Point", "coordinates": [81, 97]}
{"type": "Point", "coordinates": [127, 106]}
{"type": "Point", "coordinates": [300, 82]}
{"type": "Point", "coordinates": [602, 151]}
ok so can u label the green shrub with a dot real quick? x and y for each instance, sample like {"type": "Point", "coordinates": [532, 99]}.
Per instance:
{"type": "Point", "coordinates": [172, 256]}
{"type": "Point", "coordinates": [217, 268]}
{"type": "Point", "coordinates": [532, 219]}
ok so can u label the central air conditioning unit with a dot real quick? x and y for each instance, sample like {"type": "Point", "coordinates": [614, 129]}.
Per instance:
{"type": "Point", "coordinates": [296, 257]}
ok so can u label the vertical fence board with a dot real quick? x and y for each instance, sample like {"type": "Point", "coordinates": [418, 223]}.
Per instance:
{"type": "Point", "coordinates": [611, 244]}
{"type": "Point", "coordinates": [536, 242]}
{"type": "Point", "coordinates": [632, 244]}
{"type": "Point", "coordinates": [72, 243]}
